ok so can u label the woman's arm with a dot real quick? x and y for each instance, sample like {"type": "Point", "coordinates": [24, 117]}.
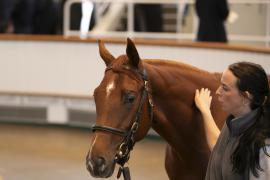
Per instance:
{"type": "Point", "coordinates": [203, 102]}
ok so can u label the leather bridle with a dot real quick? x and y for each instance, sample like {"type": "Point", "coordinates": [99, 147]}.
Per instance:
{"type": "Point", "coordinates": [123, 152]}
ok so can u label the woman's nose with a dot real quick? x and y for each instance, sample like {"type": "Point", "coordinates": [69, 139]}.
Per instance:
{"type": "Point", "coordinates": [218, 91]}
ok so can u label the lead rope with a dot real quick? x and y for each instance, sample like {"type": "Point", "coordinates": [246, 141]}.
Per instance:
{"type": "Point", "coordinates": [125, 171]}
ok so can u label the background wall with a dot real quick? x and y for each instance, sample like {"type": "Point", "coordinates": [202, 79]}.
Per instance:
{"type": "Point", "coordinates": [76, 68]}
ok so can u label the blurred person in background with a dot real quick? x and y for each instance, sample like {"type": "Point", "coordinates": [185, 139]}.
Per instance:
{"type": "Point", "coordinates": [212, 15]}
{"type": "Point", "coordinates": [16, 16]}
{"type": "Point", "coordinates": [46, 17]}
{"type": "Point", "coordinates": [148, 18]}
{"type": "Point", "coordinates": [28, 16]}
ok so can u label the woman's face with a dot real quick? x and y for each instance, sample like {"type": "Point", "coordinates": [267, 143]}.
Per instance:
{"type": "Point", "coordinates": [232, 101]}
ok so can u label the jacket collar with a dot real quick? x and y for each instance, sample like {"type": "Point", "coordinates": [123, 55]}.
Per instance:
{"type": "Point", "coordinates": [238, 125]}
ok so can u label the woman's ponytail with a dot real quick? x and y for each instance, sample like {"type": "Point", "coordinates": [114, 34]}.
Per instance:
{"type": "Point", "coordinates": [266, 106]}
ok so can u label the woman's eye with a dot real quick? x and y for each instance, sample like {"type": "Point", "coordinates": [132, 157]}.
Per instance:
{"type": "Point", "coordinates": [225, 88]}
{"type": "Point", "coordinates": [129, 98]}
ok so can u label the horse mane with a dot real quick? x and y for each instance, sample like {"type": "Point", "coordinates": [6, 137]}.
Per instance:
{"type": "Point", "coordinates": [123, 60]}
{"type": "Point", "coordinates": [174, 64]}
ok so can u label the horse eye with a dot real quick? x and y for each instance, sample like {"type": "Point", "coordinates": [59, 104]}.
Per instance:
{"type": "Point", "coordinates": [129, 98]}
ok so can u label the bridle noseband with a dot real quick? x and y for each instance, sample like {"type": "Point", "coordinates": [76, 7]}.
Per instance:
{"type": "Point", "coordinates": [123, 152]}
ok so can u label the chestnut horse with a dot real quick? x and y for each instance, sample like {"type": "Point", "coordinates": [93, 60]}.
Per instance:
{"type": "Point", "coordinates": [124, 98]}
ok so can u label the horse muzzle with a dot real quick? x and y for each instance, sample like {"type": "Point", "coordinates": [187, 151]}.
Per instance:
{"type": "Point", "coordinates": [99, 167]}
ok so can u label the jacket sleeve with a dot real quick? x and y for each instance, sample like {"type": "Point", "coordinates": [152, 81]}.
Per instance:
{"type": "Point", "coordinates": [223, 9]}
{"type": "Point", "coordinates": [265, 165]}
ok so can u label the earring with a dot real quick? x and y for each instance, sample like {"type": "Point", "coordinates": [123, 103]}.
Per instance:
{"type": "Point", "coordinates": [245, 101]}
{"type": "Point", "coordinates": [264, 101]}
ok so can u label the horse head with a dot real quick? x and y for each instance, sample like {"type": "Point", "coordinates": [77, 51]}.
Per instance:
{"type": "Point", "coordinates": [122, 108]}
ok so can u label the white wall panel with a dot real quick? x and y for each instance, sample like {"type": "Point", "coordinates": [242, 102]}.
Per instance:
{"type": "Point", "coordinates": [76, 68]}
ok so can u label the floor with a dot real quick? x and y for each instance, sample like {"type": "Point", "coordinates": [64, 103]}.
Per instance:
{"type": "Point", "coordinates": [56, 153]}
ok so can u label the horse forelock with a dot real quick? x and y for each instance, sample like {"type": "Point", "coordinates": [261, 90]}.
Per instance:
{"type": "Point", "coordinates": [122, 66]}
{"type": "Point", "coordinates": [120, 61]}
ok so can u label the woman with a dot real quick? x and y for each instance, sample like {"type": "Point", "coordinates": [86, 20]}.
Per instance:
{"type": "Point", "coordinates": [241, 150]}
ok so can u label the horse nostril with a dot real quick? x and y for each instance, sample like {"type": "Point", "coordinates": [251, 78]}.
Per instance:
{"type": "Point", "coordinates": [100, 161]}
{"type": "Point", "coordinates": [96, 166]}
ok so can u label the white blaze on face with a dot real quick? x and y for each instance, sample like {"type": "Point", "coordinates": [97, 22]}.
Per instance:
{"type": "Point", "coordinates": [90, 153]}
{"type": "Point", "coordinates": [109, 88]}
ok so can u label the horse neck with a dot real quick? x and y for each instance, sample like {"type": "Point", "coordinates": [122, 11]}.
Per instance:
{"type": "Point", "coordinates": [175, 117]}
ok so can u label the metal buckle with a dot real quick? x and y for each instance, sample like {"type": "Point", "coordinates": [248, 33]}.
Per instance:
{"type": "Point", "coordinates": [134, 127]}
{"type": "Point", "coordinates": [122, 151]}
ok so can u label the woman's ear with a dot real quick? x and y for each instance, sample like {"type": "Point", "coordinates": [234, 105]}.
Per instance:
{"type": "Point", "coordinates": [248, 95]}
{"type": "Point", "coordinates": [247, 98]}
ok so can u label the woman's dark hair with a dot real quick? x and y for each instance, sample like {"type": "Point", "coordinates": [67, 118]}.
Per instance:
{"type": "Point", "coordinates": [251, 77]}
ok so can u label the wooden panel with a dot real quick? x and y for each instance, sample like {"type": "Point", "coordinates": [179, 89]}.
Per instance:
{"type": "Point", "coordinates": [155, 42]}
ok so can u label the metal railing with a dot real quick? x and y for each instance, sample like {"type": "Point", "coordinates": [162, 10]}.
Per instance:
{"type": "Point", "coordinates": [130, 32]}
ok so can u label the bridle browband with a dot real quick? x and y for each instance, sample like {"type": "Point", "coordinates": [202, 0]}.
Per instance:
{"type": "Point", "coordinates": [123, 152]}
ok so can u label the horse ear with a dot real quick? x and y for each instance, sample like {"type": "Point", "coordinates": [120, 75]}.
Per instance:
{"type": "Point", "coordinates": [104, 53]}
{"type": "Point", "coordinates": [132, 53]}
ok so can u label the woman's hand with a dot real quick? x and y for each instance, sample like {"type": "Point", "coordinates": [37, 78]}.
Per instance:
{"type": "Point", "coordinates": [203, 99]}
{"type": "Point", "coordinates": [203, 102]}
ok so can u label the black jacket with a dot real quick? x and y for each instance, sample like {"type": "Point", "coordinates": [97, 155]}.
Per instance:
{"type": "Point", "coordinates": [212, 14]}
